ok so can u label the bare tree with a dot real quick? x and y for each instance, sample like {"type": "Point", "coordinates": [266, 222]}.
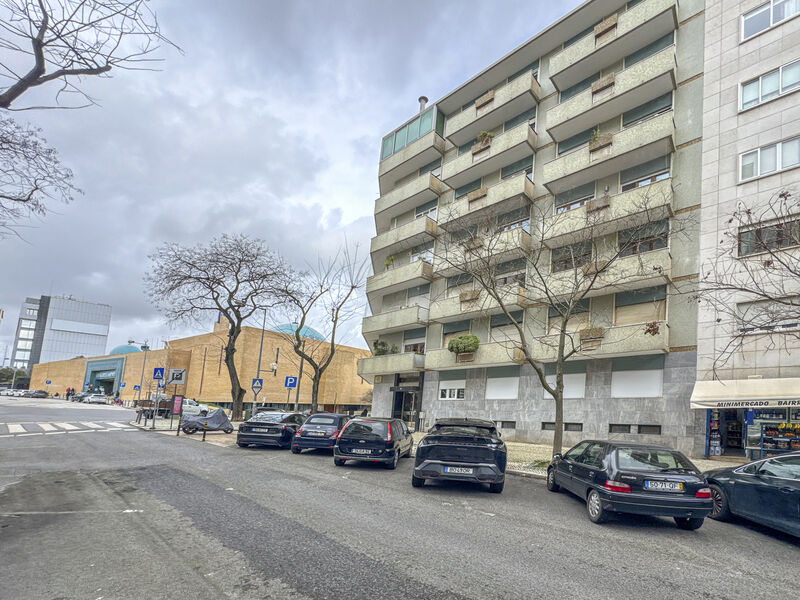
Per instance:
{"type": "Point", "coordinates": [752, 282]}
{"type": "Point", "coordinates": [546, 264]}
{"type": "Point", "coordinates": [327, 294]}
{"type": "Point", "coordinates": [233, 276]}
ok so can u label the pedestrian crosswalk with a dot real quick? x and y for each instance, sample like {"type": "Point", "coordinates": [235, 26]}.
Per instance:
{"type": "Point", "coordinates": [31, 428]}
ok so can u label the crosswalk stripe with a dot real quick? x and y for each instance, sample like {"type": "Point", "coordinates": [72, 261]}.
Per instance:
{"type": "Point", "coordinates": [46, 426]}
{"type": "Point", "coordinates": [120, 425]}
{"type": "Point", "coordinates": [65, 426]}
{"type": "Point", "coordinates": [13, 428]}
{"type": "Point", "coordinates": [92, 425]}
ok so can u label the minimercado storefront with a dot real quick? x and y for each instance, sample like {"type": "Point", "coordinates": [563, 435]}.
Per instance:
{"type": "Point", "coordinates": [750, 417]}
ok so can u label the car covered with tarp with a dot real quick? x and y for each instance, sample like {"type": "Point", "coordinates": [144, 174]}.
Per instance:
{"type": "Point", "coordinates": [216, 420]}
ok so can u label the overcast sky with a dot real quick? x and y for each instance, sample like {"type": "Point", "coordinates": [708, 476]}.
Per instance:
{"type": "Point", "coordinates": [269, 123]}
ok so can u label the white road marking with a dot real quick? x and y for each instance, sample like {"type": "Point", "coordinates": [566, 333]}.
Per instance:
{"type": "Point", "coordinates": [14, 428]}
{"type": "Point", "coordinates": [66, 426]}
{"type": "Point", "coordinates": [54, 432]}
{"type": "Point", "coordinates": [26, 434]}
{"type": "Point", "coordinates": [92, 425]}
{"type": "Point", "coordinates": [46, 426]}
{"type": "Point", "coordinates": [118, 425]}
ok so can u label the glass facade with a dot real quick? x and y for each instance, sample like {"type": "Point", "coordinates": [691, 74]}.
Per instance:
{"type": "Point", "coordinates": [411, 132]}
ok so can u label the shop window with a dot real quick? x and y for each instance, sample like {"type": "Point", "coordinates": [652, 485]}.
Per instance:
{"type": "Point", "coordinates": [646, 238]}
{"type": "Point", "coordinates": [640, 306]}
{"type": "Point", "coordinates": [571, 257]}
{"type": "Point", "coordinates": [648, 429]}
{"type": "Point", "coordinates": [637, 376]}
{"type": "Point", "coordinates": [574, 198]}
{"type": "Point", "coordinates": [766, 238]}
{"type": "Point", "coordinates": [648, 110]}
{"type": "Point", "coordinates": [618, 428]}
{"type": "Point", "coordinates": [645, 174]}
{"type": "Point", "coordinates": [648, 50]}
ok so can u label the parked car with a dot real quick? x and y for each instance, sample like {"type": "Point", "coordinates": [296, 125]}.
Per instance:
{"type": "Point", "coordinates": [319, 431]}
{"type": "Point", "coordinates": [95, 399]}
{"type": "Point", "coordinates": [463, 450]}
{"type": "Point", "coordinates": [191, 407]}
{"type": "Point", "coordinates": [269, 429]}
{"type": "Point", "coordinates": [37, 394]}
{"type": "Point", "coordinates": [620, 477]}
{"type": "Point", "coordinates": [79, 397]}
{"type": "Point", "coordinates": [766, 491]}
{"type": "Point", "coordinates": [371, 439]}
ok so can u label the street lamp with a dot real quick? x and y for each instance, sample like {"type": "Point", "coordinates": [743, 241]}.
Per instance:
{"type": "Point", "coordinates": [144, 348]}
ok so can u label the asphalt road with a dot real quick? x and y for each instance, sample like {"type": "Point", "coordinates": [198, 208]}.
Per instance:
{"type": "Point", "coordinates": [130, 514]}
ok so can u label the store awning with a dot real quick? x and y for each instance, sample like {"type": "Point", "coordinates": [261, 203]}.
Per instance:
{"type": "Point", "coordinates": [747, 393]}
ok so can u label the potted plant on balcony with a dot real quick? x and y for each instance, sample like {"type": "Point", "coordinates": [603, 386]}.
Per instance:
{"type": "Point", "coordinates": [464, 346]}
{"type": "Point", "coordinates": [379, 348]}
{"type": "Point", "coordinates": [389, 262]}
{"type": "Point", "coordinates": [484, 140]}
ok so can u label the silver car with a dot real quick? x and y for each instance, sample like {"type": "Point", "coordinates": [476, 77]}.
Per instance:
{"type": "Point", "coordinates": [95, 399]}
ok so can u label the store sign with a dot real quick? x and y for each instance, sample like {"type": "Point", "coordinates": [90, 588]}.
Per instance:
{"type": "Point", "coordinates": [767, 403]}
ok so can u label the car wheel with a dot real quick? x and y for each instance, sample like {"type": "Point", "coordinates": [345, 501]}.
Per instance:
{"type": "Point", "coordinates": [551, 480]}
{"type": "Point", "coordinates": [242, 444]}
{"type": "Point", "coordinates": [417, 481]}
{"type": "Point", "coordinates": [339, 462]}
{"type": "Point", "coordinates": [229, 430]}
{"type": "Point", "coordinates": [719, 503]}
{"type": "Point", "coordinates": [296, 450]}
{"type": "Point", "coordinates": [496, 488]}
{"type": "Point", "coordinates": [393, 464]}
{"type": "Point", "coordinates": [203, 413]}
{"type": "Point", "coordinates": [594, 508]}
{"type": "Point", "coordinates": [688, 523]}
{"type": "Point", "coordinates": [189, 430]}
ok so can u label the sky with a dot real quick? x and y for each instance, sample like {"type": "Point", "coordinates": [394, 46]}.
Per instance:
{"type": "Point", "coordinates": [268, 122]}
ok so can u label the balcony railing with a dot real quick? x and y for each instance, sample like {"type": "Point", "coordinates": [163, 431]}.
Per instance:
{"type": "Point", "coordinates": [491, 249]}
{"type": "Point", "coordinates": [614, 38]}
{"type": "Point", "coordinates": [388, 364]}
{"type": "Point", "coordinates": [614, 94]}
{"type": "Point", "coordinates": [404, 162]}
{"type": "Point", "coordinates": [402, 238]}
{"type": "Point", "coordinates": [611, 153]}
{"type": "Point", "coordinates": [487, 355]}
{"type": "Point", "coordinates": [509, 194]}
{"type": "Point", "coordinates": [400, 277]}
{"type": "Point", "coordinates": [471, 304]}
{"type": "Point", "coordinates": [402, 199]}
{"type": "Point", "coordinates": [493, 109]}
{"type": "Point", "coordinates": [606, 342]}
{"type": "Point", "coordinates": [395, 320]}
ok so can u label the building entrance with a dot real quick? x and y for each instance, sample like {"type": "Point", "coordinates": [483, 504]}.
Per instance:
{"type": "Point", "coordinates": [726, 432]}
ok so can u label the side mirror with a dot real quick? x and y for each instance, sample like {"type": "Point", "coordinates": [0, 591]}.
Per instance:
{"type": "Point", "coordinates": [410, 431]}
{"type": "Point", "coordinates": [557, 455]}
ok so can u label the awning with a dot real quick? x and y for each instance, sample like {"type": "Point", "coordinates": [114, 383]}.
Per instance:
{"type": "Point", "coordinates": [747, 393]}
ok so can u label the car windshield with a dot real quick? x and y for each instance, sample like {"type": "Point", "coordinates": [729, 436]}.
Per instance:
{"type": "Point", "coordinates": [469, 430]}
{"type": "Point", "coordinates": [269, 417]}
{"type": "Point", "coordinates": [321, 421]}
{"type": "Point", "coordinates": [365, 428]}
{"type": "Point", "coordinates": [653, 459]}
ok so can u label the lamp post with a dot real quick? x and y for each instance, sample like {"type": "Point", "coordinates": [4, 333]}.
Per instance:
{"type": "Point", "coordinates": [144, 348]}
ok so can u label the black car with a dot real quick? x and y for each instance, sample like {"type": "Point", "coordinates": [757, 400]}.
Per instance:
{"type": "Point", "coordinates": [373, 439]}
{"type": "Point", "coordinates": [620, 477]}
{"type": "Point", "coordinates": [319, 431]}
{"type": "Point", "coordinates": [766, 491]}
{"type": "Point", "coordinates": [269, 429]}
{"type": "Point", "coordinates": [464, 450]}
{"type": "Point", "coordinates": [37, 394]}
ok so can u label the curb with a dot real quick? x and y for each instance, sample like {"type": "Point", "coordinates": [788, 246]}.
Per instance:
{"type": "Point", "coordinates": [527, 474]}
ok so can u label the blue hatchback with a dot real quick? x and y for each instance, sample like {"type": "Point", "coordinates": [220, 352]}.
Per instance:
{"type": "Point", "coordinates": [319, 431]}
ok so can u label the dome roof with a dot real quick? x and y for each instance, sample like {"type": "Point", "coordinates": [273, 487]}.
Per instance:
{"type": "Point", "coordinates": [124, 349]}
{"type": "Point", "coordinates": [306, 331]}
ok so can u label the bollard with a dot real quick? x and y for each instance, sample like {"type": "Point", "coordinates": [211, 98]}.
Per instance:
{"type": "Point", "coordinates": [205, 426]}
{"type": "Point", "coordinates": [180, 418]}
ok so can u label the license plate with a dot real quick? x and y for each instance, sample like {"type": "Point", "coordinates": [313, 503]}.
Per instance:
{"type": "Point", "coordinates": [361, 451]}
{"type": "Point", "coordinates": [459, 470]}
{"type": "Point", "coordinates": [261, 429]}
{"type": "Point", "coordinates": [316, 433]}
{"type": "Point", "coordinates": [663, 486]}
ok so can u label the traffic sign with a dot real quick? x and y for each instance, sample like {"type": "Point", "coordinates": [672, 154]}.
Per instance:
{"type": "Point", "coordinates": [136, 388]}
{"type": "Point", "coordinates": [48, 382]}
{"type": "Point", "coordinates": [85, 383]}
{"type": "Point", "coordinates": [177, 376]}
{"type": "Point", "coordinates": [257, 385]}
{"type": "Point", "coordinates": [291, 382]}
{"type": "Point", "coordinates": [160, 385]}
{"type": "Point", "coordinates": [122, 385]}
{"type": "Point", "coordinates": [158, 373]}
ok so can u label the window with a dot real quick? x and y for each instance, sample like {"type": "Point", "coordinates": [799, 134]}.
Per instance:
{"type": "Point", "coordinates": [502, 383]}
{"type": "Point", "coordinates": [507, 424]}
{"type": "Point", "coordinates": [524, 164]}
{"type": "Point", "coordinates": [577, 451]}
{"type": "Point", "coordinates": [769, 159]}
{"type": "Point", "coordinates": [414, 340]}
{"type": "Point", "coordinates": [573, 426]}
{"type": "Point", "coordinates": [548, 426]}
{"type": "Point", "coordinates": [464, 235]}
{"type": "Point", "coordinates": [645, 173]}
{"type": "Point", "coordinates": [31, 312]}
{"type": "Point", "coordinates": [454, 330]}
{"type": "Point", "coordinates": [574, 198]}
{"type": "Point", "coordinates": [22, 354]}
{"type": "Point", "coordinates": [515, 219]}
{"type": "Point", "coordinates": [647, 110]}
{"type": "Point", "coordinates": [27, 323]}
{"type": "Point", "coordinates": [24, 344]}
{"type": "Point", "coordinates": [453, 393]}
{"type": "Point", "coordinates": [434, 167]}
{"type": "Point", "coordinates": [458, 283]}
{"type": "Point", "coordinates": [512, 271]}
{"type": "Point", "coordinates": [578, 317]}
{"type": "Point", "coordinates": [571, 257]}
{"type": "Point", "coordinates": [766, 316]}
{"type": "Point", "coordinates": [576, 89]}
{"type": "Point", "coordinates": [787, 467]}
{"type": "Point", "coordinates": [637, 376]}
{"type": "Point", "coordinates": [26, 334]}
{"type": "Point", "coordinates": [523, 117]}
{"type": "Point", "coordinates": [464, 148]}
{"type": "Point", "coordinates": [618, 428]}
{"type": "Point", "coordinates": [649, 50]}
{"type": "Point", "coordinates": [771, 85]}
{"type": "Point", "coordinates": [531, 68]}
{"type": "Point", "coordinates": [640, 306]}
{"type": "Point", "coordinates": [394, 142]}
{"type": "Point", "coordinates": [503, 329]}
{"type": "Point", "coordinates": [579, 139]}
{"type": "Point", "coordinates": [427, 210]}
{"type": "Point", "coordinates": [423, 252]}
{"type": "Point", "coordinates": [646, 238]}
{"type": "Point", "coordinates": [767, 238]}
{"type": "Point", "coordinates": [419, 290]}
{"type": "Point", "coordinates": [648, 429]}
{"type": "Point", "coordinates": [580, 35]}
{"type": "Point", "coordinates": [574, 378]}
{"type": "Point", "coordinates": [466, 189]}
{"type": "Point", "coordinates": [768, 15]}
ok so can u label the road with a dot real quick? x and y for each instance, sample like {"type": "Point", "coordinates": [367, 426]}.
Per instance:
{"type": "Point", "coordinates": [112, 513]}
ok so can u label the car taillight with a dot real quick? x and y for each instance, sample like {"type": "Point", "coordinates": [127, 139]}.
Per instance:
{"type": "Point", "coordinates": [703, 493]}
{"type": "Point", "coordinates": [299, 432]}
{"type": "Point", "coordinates": [335, 433]}
{"type": "Point", "coordinates": [283, 427]}
{"type": "Point", "coordinates": [338, 437]}
{"type": "Point", "coordinates": [616, 486]}
{"type": "Point", "coordinates": [389, 432]}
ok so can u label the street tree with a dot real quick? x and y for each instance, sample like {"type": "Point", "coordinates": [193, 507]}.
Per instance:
{"type": "Point", "coordinates": [751, 284]}
{"type": "Point", "coordinates": [233, 276]}
{"type": "Point", "coordinates": [532, 269]}
{"type": "Point", "coordinates": [327, 295]}
{"type": "Point", "coordinates": [58, 44]}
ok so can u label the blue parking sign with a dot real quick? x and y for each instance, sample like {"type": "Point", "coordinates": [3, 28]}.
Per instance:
{"type": "Point", "coordinates": [291, 382]}
{"type": "Point", "coordinates": [48, 382]}
{"type": "Point", "coordinates": [136, 388]}
{"type": "Point", "coordinates": [122, 385]}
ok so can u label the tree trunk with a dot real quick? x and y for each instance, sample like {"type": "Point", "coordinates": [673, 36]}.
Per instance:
{"type": "Point", "coordinates": [315, 392]}
{"type": "Point", "coordinates": [237, 392]}
{"type": "Point", "coordinates": [558, 434]}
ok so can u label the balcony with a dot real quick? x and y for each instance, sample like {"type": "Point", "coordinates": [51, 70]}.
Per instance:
{"type": "Point", "coordinates": [405, 198]}
{"type": "Point", "coordinates": [611, 153]}
{"type": "Point", "coordinates": [475, 303]}
{"type": "Point", "coordinates": [488, 355]}
{"type": "Point", "coordinates": [608, 214]}
{"type": "Point", "coordinates": [493, 109]}
{"type": "Point", "coordinates": [403, 163]}
{"type": "Point", "coordinates": [388, 364]}
{"type": "Point", "coordinates": [508, 195]}
{"type": "Point", "coordinates": [400, 319]}
{"type": "Point", "coordinates": [477, 251]}
{"type": "Point", "coordinates": [625, 273]}
{"type": "Point", "coordinates": [614, 38]}
{"type": "Point", "coordinates": [399, 278]}
{"type": "Point", "coordinates": [511, 146]}
{"type": "Point", "coordinates": [401, 238]}
{"type": "Point", "coordinates": [613, 95]}
{"type": "Point", "coordinates": [600, 342]}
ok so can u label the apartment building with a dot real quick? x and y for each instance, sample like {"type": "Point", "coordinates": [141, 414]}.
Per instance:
{"type": "Point", "coordinates": [597, 120]}
{"type": "Point", "coordinates": [58, 328]}
{"type": "Point", "coordinates": [749, 360]}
